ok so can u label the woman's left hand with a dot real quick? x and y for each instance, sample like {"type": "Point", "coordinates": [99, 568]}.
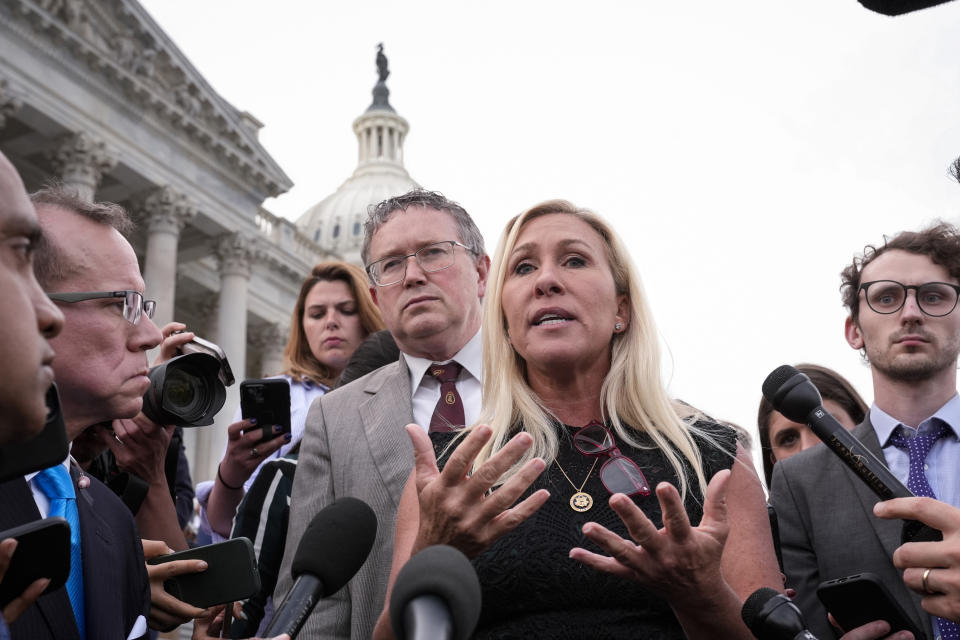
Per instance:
{"type": "Point", "coordinates": [679, 561]}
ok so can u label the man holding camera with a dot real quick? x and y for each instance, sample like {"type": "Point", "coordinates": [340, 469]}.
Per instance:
{"type": "Point", "coordinates": [87, 266]}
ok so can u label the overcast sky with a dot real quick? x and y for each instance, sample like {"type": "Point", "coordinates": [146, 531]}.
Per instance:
{"type": "Point", "coordinates": [745, 150]}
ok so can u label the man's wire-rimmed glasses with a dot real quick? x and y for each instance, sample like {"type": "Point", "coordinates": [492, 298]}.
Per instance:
{"type": "Point", "coordinates": [619, 474]}
{"type": "Point", "coordinates": [133, 303]}
{"type": "Point", "coordinates": [436, 256]}
{"type": "Point", "coordinates": [935, 299]}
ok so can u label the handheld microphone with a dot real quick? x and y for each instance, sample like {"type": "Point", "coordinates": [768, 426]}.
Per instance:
{"type": "Point", "coordinates": [436, 596]}
{"type": "Point", "coordinates": [773, 616]}
{"type": "Point", "coordinates": [333, 548]}
{"type": "Point", "coordinates": [899, 7]}
{"type": "Point", "coordinates": [792, 394]}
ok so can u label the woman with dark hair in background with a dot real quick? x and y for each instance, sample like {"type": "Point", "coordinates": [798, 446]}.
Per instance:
{"type": "Point", "coordinates": [781, 438]}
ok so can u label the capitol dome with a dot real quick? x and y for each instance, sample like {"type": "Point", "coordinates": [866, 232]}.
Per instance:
{"type": "Point", "coordinates": [336, 222]}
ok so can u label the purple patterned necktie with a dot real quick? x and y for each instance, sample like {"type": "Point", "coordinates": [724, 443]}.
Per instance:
{"type": "Point", "coordinates": [448, 414]}
{"type": "Point", "coordinates": [918, 447]}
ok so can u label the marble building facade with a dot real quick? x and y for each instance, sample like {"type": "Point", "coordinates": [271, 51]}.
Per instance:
{"type": "Point", "coordinates": [95, 94]}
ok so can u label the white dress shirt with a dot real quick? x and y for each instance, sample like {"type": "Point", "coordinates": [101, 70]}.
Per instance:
{"type": "Point", "coordinates": [425, 389]}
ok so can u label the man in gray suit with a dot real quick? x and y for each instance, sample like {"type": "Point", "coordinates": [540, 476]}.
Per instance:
{"type": "Point", "coordinates": [428, 269]}
{"type": "Point", "coordinates": [902, 299]}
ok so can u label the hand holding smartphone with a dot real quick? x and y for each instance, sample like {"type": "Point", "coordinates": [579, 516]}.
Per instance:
{"type": "Point", "coordinates": [267, 400]}
{"type": "Point", "coordinates": [861, 598]}
{"type": "Point", "coordinates": [231, 574]}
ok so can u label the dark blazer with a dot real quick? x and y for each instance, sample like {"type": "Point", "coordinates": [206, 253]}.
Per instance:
{"type": "Point", "coordinates": [116, 588]}
{"type": "Point", "coordinates": [354, 444]}
{"type": "Point", "coordinates": [828, 530]}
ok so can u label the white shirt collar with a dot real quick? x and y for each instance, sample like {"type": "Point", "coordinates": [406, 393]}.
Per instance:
{"type": "Point", "coordinates": [470, 357]}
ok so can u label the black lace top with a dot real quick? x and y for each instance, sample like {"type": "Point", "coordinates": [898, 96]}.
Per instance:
{"type": "Point", "coordinates": [531, 589]}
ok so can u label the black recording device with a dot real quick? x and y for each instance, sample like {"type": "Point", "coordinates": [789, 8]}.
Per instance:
{"type": "Point", "coordinates": [334, 546]}
{"type": "Point", "coordinates": [267, 400]}
{"type": "Point", "coordinates": [792, 394]}
{"type": "Point", "coordinates": [43, 551]}
{"type": "Point", "coordinates": [188, 390]}
{"type": "Point", "coordinates": [231, 574]}
{"type": "Point", "coordinates": [773, 616]}
{"type": "Point", "coordinates": [858, 599]}
{"type": "Point", "coordinates": [46, 449]}
{"type": "Point", "coordinates": [436, 596]}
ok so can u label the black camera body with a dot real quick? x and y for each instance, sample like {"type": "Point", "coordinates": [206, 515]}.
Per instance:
{"type": "Point", "coordinates": [190, 389]}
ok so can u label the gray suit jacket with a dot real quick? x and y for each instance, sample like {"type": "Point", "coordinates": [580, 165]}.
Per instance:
{"type": "Point", "coordinates": [828, 530]}
{"type": "Point", "coordinates": [354, 445]}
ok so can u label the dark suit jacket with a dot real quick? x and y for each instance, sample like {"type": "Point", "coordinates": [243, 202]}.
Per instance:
{"type": "Point", "coordinates": [354, 444]}
{"type": "Point", "coordinates": [828, 530]}
{"type": "Point", "coordinates": [116, 588]}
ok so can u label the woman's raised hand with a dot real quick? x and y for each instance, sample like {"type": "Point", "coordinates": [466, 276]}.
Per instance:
{"type": "Point", "coordinates": [679, 561]}
{"type": "Point", "coordinates": [458, 508]}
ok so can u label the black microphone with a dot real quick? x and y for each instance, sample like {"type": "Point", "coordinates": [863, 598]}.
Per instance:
{"type": "Point", "coordinates": [899, 7]}
{"type": "Point", "coordinates": [436, 596]}
{"type": "Point", "coordinates": [773, 616]}
{"type": "Point", "coordinates": [792, 394]}
{"type": "Point", "coordinates": [333, 548]}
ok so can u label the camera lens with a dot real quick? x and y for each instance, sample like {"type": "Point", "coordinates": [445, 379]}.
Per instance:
{"type": "Point", "coordinates": [185, 391]}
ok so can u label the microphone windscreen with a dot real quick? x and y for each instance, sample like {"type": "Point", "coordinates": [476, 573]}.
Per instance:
{"type": "Point", "coordinates": [444, 572]}
{"type": "Point", "coordinates": [336, 543]}
{"type": "Point", "coordinates": [899, 7]}
{"type": "Point", "coordinates": [776, 379]}
{"type": "Point", "coordinates": [754, 605]}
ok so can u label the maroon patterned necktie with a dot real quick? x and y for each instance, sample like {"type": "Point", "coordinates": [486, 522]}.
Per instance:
{"type": "Point", "coordinates": [448, 414]}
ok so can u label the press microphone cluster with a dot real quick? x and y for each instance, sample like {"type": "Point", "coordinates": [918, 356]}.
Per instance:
{"type": "Point", "coordinates": [436, 596]}
{"type": "Point", "coordinates": [792, 394]}
{"type": "Point", "coordinates": [333, 548]}
{"type": "Point", "coordinates": [772, 616]}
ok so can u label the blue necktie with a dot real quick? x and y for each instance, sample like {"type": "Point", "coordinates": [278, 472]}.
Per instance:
{"type": "Point", "coordinates": [55, 483]}
{"type": "Point", "coordinates": [919, 447]}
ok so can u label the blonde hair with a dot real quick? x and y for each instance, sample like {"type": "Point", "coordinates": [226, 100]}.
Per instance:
{"type": "Point", "coordinates": [633, 398]}
{"type": "Point", "coordinates": [298, 361]}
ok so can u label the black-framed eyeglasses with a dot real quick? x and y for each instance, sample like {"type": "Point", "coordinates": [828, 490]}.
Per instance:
{"type": "Point", "coordinates": [436, 256]}
{"type": "Point", "coordinates": [935, 299]}
{"type": "Point", "coordinates": [619, 474]}
{"type": "Point", "coordinates": [133, 303]}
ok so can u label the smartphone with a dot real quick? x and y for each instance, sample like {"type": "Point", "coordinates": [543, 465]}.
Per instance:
{"type": "Point", "coordinates": [43, 551]}
{"type": "Point", "coordinates": [267, 400]}
{"type": "Point", "coordinates": [46, 449]}
{"type": "Point", "coordinates": [231, 574]}
{"type": "Point", "coordinates": [861, 598]}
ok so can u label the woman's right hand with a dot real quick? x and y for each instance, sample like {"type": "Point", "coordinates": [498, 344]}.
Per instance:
{"type": "Point", "coordinates": [456, 507]}
{"type": "Point", "coordinates": [245, 452]}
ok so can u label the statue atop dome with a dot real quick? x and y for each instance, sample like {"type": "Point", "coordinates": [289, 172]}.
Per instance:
{"type": "Point", "coordinates": [382, 69]}
{"type": "Point", "coordinates": [381, 95]}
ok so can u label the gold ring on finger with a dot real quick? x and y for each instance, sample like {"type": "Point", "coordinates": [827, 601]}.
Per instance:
{"type": "Point", "coordinates": [923, 580]}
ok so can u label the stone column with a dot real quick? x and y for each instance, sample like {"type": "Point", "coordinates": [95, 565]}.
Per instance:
{"type": "Point", "coordinates": [165, 213]}
{"type": "Point", "coordinates": [9, 103]}
{"type": "Point", "coordinates": [82, 160]}
{"type": "Point", "coordinates": [270, 340]}
{"type": "Point", "coordinates": [235, 253]}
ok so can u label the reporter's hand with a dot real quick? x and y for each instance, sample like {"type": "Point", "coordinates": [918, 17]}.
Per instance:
{"type": "Point", "coordinates": [19, 604]}
{"type": "Point", "coordinates": [140, 446]}
{"type": "Point", "coordinates": [876, 630]}
{"type": "Point", "coordinates": [942, 559]}
{"type": "Point", "coordinates": [170, 347]}
{"type": "Point", "coordinates": [166, 612]}
{"type": "Point", "coordinates": [210, 625]}
{"type": "Point", "coordinates": [457, 508]}
{"type": "Point", "coordinates": [245, 452]}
